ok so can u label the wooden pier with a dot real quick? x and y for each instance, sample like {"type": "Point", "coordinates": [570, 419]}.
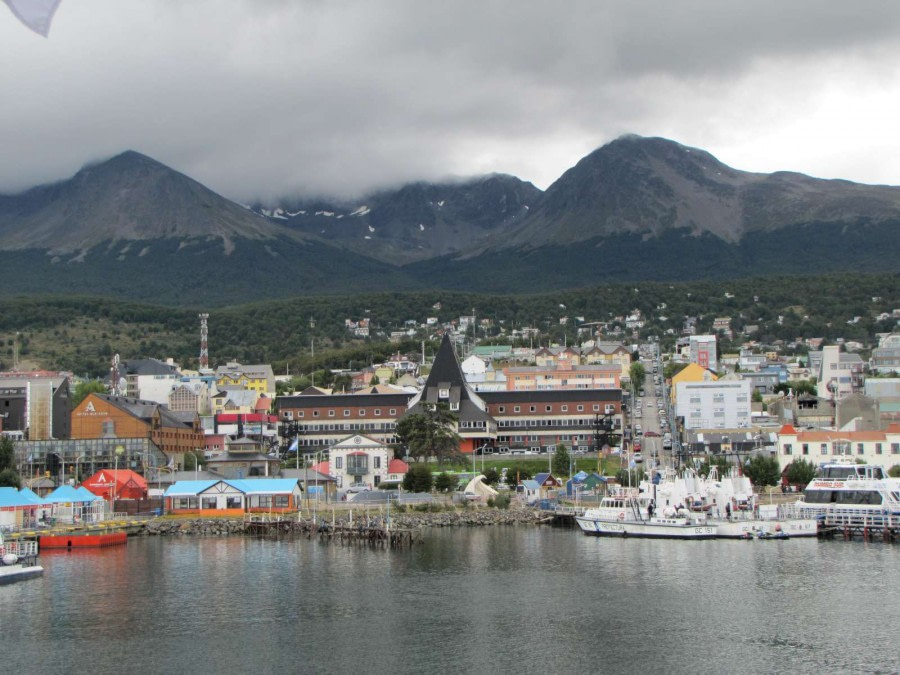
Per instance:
{"type": "Point", "coordinates": [868, 525]}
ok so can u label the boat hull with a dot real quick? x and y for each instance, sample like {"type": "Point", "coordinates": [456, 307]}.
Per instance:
{"type": "Point", "coordinates": [70, 541]}
{"type": "Point", "coordinates": [11, 573]}
{"type": "Point", "coordinates": [744, 529]}
{"type": "Point", "coordinates": [645, 530]}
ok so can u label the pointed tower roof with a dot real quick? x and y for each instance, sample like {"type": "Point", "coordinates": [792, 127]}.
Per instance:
{"type": "Point", "coordinates": [447, 384]}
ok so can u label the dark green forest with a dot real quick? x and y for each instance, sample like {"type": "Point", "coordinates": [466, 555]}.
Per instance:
{"type": "Point", "coordinates": [82, 333]}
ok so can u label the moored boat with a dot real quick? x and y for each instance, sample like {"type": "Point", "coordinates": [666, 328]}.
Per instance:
{"type": "Point", "coordinates": [623, 515]}
{"type": "Point", "coordinates": [18, 561]}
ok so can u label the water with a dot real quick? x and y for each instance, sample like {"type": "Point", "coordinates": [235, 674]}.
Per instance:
{"type": "Point", "coordinates": [492, 600]}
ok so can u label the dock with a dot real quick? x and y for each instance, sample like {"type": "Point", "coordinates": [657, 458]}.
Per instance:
{"type": "Point", "coordinates": [868, 525]}
{"type": "Point", "coordinates": [369, 531]}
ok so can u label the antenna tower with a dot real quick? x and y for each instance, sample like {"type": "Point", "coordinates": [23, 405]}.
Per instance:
{"type": "Point", "coordinates": [204, 343]}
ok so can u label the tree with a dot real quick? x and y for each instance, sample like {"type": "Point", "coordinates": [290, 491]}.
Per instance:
{"type": "Point", "coordinates": [9, 477]}
{"type": "Point", "coordinates": [82, 389]}
{"type": "Point", "coordinates": [756, 397]}
{"type": "Point", "coordinates": [763, 470]}
{"type": "Point", "coordinates": [561, 459]}
{"type": "Point", "coordinates": [418, 479]}
{"type": "Point", "coordinates": [894, 471]}
{"type": "Point", "coordinates": [492, 476]}
{"type": "Point", "coordinates": [431, 433]}
{"type": "Point", "coordinates": [800, 472]}
{"type": "Point", "coordinates": [722, 464]}
{"type": "Point", "coordinates": [444, 482]}
{"type": "Point", "coordinates": [637, 373]}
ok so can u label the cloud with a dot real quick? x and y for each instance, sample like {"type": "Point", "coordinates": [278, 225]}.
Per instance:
{"type": "Point", "coordinates": [270, 98]}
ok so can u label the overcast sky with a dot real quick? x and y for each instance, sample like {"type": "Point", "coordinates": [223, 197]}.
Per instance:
{"type": "Point", "coordinates": [263, 98]}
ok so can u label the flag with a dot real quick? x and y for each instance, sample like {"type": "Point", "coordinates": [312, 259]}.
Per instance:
{"type": "Point", "coordinates": [295, 445]}
{"type": "Point", "coordinates": [171, 464]}
{"type": "Point", "coordinates": [35, 14]}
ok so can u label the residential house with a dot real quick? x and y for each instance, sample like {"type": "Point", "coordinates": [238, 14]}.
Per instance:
{"type": "Point", "coordinates": [819, 446]}
{"type": "Point", "coordinates": [258, 378]}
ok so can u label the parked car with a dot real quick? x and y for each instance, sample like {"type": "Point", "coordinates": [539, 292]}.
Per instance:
{"type": "Point", "coordinates": [356, 489]}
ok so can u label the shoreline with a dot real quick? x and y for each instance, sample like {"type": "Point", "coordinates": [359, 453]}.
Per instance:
{"type": "Point", "coordinates": [471, 517]}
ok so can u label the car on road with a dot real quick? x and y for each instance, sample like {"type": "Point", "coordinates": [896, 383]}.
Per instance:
{"type": "Point", "coordinates": [356, 489]}
{"type": "Point", "coordinates": [638, 458]}
{"type": "Point", "coordinates": [651, 434]}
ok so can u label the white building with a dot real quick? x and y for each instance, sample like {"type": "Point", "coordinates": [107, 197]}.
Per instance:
{"type": "Point", "coordinates": [722, 404]}
{"type": "Point", "coordinates": [360, 460]}
{"type": "Point", "coordinates": [869, 447]}
{"type": "Point", "coordinates": [840, 374]}
{"type": "Point", "coordinates": [703, 351]}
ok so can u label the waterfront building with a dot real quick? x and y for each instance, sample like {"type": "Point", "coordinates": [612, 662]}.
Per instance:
{"type": "Point", "coordinates": [233, 497]}
{"type": "Point", "coordinates": [563, 375]}
{"type": "Point", "coordinates": [360, 460]}
{"type": "Point", "coordinates": [502, 420]}
{"type": "Point", "coordinates": [104, 416]}
{"type": "Point", "coordinates": [824, 445]}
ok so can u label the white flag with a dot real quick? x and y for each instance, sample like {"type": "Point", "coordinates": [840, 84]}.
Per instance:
{"type": "Point", "coordinates": [35, 14]}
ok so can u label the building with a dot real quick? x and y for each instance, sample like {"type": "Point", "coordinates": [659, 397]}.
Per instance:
{"type": "Point", "coordinates": [723, 404]}
{"type": "Point", "coordinates": [234, 497]}
{"type": "Point", "coordinates": [258, 378]}
{"type": "Point", "coordinates": [702, 351]}
{"type": "Point", "coordinates": [840, 374]}
{"type": "Point", "coordinates": [885, 358]}
{"type": "Point", "coordinates": [563, 375]}
{"type": "Point", "coordinates": [150, 379]}
{"type": "Point", "coordinates": [500, 420]}
{"type": "Point", "coordinates": [194, 396]}
{"type": "Point", "coordinates": [691, 373]}
{"type": "Point", "coordinates": [104, 416]}
{"type": "Point", "coordinates": [360, 460]}
{"type": "Point", "coordinates": [820, 446]}
{"type": "Point", "coordinates": [36, 403]}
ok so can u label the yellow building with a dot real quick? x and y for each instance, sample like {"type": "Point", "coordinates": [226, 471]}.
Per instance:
{"type": "Point", "coordinates": [692, 373]}
{"type": "Point", "coordinates": [258, 378]}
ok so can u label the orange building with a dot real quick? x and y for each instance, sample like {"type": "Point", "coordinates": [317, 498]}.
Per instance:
{"type": "Point", "coordinates": [103, 416]}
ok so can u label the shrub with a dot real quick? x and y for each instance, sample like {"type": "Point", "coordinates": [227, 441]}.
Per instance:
{"type": "Point", "coordinates": [894, 471]}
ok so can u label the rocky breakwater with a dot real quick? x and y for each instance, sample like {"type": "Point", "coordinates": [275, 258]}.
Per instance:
{"type": "Point", "coordinates": [210, 527]}
{"type": "Point", "coordinates": [411, 520]}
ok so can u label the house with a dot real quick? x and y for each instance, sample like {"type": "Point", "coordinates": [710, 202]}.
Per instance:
{"type": "Point", "coordinates": [150, 379]}
{"type": "Point", "coordinates": [840, 374]}
{"type": "Point", "coordinates": [702, 351]}
{"type": "Point", "coordinates": [243, 458]}
{"type": "Point", "coordinates": [234, 497]}
{"type": "Point", "coordinates": [723, 404]}
{"type": "Point", "coordinates": [530, 490]}
{"type": "Point", "coordinates": [691, 373]}
{"type": "Point", "coordinates": [259, 377]}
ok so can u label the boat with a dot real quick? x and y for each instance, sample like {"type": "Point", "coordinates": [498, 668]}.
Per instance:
{"type": "Point", "coordinates": [18, 561]}
{"type": "Point", "coordinates": [729, 503]}
{"type": "Point", "coordinates": [629, 513]}
{"type": "Point", "coordinates": [852, 495]}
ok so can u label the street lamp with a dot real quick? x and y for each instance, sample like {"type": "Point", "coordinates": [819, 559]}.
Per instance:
{"type": "Point", "coordinates": [120, 450]}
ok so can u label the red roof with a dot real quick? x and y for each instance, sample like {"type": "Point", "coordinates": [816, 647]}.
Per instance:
{"type": "Point", "coordinates": [787, 430]}
{"type": "Point", "coordinates": [398, 466]}
{"type": "Point", "coordinates": [893, 428]}
{"type": "Point", "coordinates": [356, 454]}
{"type": "Point", "coordinates": [322, 467]}
{"type": "Point", "coordinates": [263, 404]}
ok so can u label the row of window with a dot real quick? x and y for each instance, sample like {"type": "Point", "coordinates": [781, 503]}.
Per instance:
{"type": "Point", "coordinates": [376, 412]}
{"type": "Point", "coordinates": [565, 438]}
{"type": "Point", "coordinates": [841, 448]}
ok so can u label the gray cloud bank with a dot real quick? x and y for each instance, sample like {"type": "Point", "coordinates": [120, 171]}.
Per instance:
{"type": "Point", "coordinates": [267, 98]}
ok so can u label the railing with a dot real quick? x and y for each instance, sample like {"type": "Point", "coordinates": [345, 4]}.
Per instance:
{"type": "Point", "coordinates": [870, 517]}
{"type": "Point", "coordinates": [22, 549]}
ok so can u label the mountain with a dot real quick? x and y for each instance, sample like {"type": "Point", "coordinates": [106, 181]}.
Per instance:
{"type": "Point", "coordinates": [129, 198]}
{"type": "Point", "coordinates": [417, 221]}
{"type": "Point", "coordinates": [636, 208]}
{"type": "Point", "coordinates": [650, 186]}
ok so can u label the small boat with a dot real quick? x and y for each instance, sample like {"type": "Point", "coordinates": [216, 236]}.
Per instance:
{"type": "Point", "coordinates": [18, 561]}
{"type": "Point", "coordinates": [628, 516]}
{"type": "Point", "coordinates": [765, 534]}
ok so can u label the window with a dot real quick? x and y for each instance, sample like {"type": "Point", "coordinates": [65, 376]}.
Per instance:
{"type": "Point", "coordinates": [532, 408]}
{"type": "Point", "coordinates": [823, 449]}
{"type": "Point", "coordinates": [517, 409]}
{"type": "Point", "coordinates": [376, 462]}
{"type": "Point", "coordinates": [565, 408]}
{"type": "Point", "coordinates": [362, 412]}
{"type": "Point", "coordinates": [501, 409]}
{"type": "Point", "coordinates": [878, 448]}
{"type": "Point", "coordinates": [233, 502]}
{"type": "Point", "coordinates": [859, 448]}
{"type": "Point", "coordinates": [282, 501]}
{"type": "Point", "coordinates": [377, 412]}
{"type": "Point", "coordinates": [207, 502]}
{"type": "Point", "coordinates": [788, 449]}
{"type": "Point", "coordinates": [300, 414]}
{"type": "Point", "coordinates": [331, 413]}
{"type": "Point", "coordinates": [454, 405]}
{"type": "Point", "coordinates": [895, 448]}
{"type": "Point", "coordinates": [315, 413]}
{"type": "Point", "coordinates": [444, 393]}
{"type": "Point", "coordinates": [338, 462]}
{"type": "Point", "coordinates": [597, 407]}
{"type": "Point", "coordinates": [806, 448]}
{"type": "Point", "coordinates": [392, 412]}
{"type": "Point", "coordinates": [580, 408]}
{"type": "Point", "coordinates": [346, 413]}
{"type": "Point", "coordinates": [288, 415]}
{"type": "Point", "coordinates": [549, 408]}
{"type": "Point", "coordinates": [109, 428]}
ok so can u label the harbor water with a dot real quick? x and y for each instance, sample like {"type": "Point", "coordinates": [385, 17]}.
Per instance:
{"type": "Point", "coordinates": [486, 600]}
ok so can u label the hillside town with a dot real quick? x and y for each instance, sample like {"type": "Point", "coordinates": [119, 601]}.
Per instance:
{"type": "Point", "coordinates": [152, 423]}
